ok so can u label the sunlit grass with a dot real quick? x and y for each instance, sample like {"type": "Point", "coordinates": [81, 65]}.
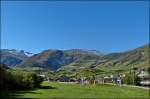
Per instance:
{"type": "Point", "coordinates": [59, 90]}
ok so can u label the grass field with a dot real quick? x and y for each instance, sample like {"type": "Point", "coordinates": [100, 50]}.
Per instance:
{"type": "Point", "coordinates": [59, 90]}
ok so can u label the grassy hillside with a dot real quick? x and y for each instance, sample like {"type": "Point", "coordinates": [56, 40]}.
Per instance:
{"type": "Point", "coordinates": [137, 58]}
{"type": "Point", "coordinates": [114, 62]}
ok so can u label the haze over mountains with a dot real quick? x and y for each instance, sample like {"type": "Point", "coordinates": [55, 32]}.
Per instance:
{"type": "Point", "coordinates": [75, 59]}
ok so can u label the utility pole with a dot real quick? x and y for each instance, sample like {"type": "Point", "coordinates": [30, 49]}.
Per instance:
{"type": "Point", "coordinates": [130, 75]}
{"type": "Point", "coordinates": [133, 74]}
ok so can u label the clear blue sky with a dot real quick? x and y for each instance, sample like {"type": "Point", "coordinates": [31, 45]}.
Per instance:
{"type": "Point", "coordinates": [104, 26]}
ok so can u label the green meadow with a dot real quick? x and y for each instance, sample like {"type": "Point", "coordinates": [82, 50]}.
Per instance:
{"type": "Point", "coordinates": [61, 90]}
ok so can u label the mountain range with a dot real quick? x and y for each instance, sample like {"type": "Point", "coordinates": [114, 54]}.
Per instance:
{"type": "Point", "coordinates": [75, 59]}
{"type": "Point", "coordinates": [13, 57]}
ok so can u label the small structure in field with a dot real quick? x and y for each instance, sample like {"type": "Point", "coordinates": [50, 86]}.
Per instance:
{"type": "Point", "coordinates": [63, 79]}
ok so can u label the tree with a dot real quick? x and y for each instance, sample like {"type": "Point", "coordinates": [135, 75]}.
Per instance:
{"type": "Point", "coordinates": [128, 79]}
{"type": "Point", "coordinates": [15, 79]}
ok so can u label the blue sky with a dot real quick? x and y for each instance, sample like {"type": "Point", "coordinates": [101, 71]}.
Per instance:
{"type": "Point", "coordinates": [105, 26]}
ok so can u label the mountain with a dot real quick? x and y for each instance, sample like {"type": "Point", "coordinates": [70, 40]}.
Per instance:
{"type": "Point", "coordinates": [13, 57]}
{"type": "Point", "coordinates": [124, 61]}
{"type": "Point", "coordinates": [55, 59]}
{"type": "Point", "coordinates": [76, 59]}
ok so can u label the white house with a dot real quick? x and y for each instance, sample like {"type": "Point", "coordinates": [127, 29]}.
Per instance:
{"type": "Point", "coordinates": [145, 77]}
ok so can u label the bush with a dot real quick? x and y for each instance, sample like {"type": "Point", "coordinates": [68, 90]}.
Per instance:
{"type": "Point", "coordinates": [12, 79]}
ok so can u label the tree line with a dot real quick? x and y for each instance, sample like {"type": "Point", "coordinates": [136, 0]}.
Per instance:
{"type": "Point", "coordinates": [16, 79]}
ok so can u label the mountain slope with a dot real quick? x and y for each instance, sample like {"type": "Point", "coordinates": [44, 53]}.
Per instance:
{"type": "Point", "coordinates": [13, 57]}
{"type": "Point", "coordinates": [76, 59]}
{"type": "Point", "coordinates": [55, 59]}
{"type": "Point", "coordinates": [123, 61]}
{"type": "Point", "coordinates": [138, 58]}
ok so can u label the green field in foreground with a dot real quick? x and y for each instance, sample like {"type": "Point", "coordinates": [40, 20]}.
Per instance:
{"type": "Point", "coordinates": [59, 90]}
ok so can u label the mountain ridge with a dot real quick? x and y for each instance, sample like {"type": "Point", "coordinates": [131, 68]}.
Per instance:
{"type": "Point", "coordinates": [53, 59]}
{"type": "Point", "coordinates": [12, 57]}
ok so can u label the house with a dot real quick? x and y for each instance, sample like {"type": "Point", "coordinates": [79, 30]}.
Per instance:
{"type": "Point", "coordinates": [42, 75]}
{"type": "Point", "coordinates": [99, 79]}
{"type": "Point", "coordinates": [107, 79]}
{"type": "Point", "coordinates": [144, 76]}
{"type": "Point", "coordinates": [63, 79]}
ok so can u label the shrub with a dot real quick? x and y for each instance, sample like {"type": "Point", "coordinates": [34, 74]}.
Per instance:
{"type": "Point", "coordinates": [14, 79]}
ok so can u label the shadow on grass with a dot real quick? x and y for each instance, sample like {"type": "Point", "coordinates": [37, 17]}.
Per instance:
{"type": "Point", "coordinates": [46, 87]}
{"type": "Point", "coordinates": [19, 93]}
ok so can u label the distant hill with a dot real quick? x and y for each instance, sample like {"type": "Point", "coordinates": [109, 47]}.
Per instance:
{"type": "Point", "coordinates": [124, 61]}
{"type": "Point", "coordinates": [13, 57]}
{"type": "Point", "coordinates": [76, 59]}
{"type": "Point", "coordinates": [55, 59]}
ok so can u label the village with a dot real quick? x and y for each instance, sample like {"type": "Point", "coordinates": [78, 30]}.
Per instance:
{"type": "Point", "coordinates": [139, 78]}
